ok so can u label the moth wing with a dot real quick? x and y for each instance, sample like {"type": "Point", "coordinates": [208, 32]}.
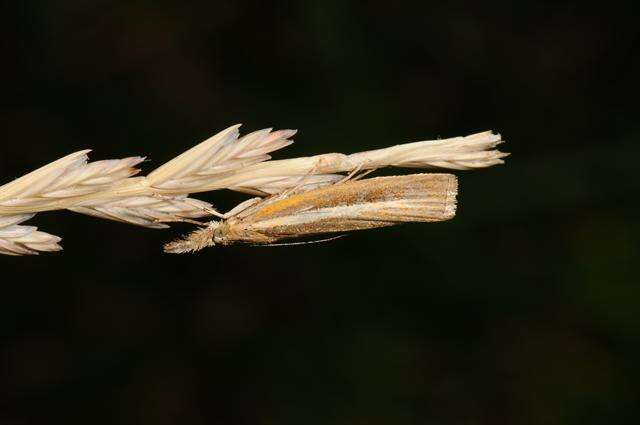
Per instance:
{"type": "Point", "coordinates": [378, 202]}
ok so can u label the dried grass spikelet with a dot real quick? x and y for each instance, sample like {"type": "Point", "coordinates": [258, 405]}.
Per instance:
{"type": "Point", "coordinates": [148, 211]}
{"type": "Point", "coordinates": [48, 188]}
{"type": "Point", "coordinates": [220, 156]}
{"type": "Point", "coordinates": [227, 161]}
{"type": "Point", "coordinates": [217, 162]}
{"type": "Point", "coordinates": [16, 239]}
{"type": "Point", "coordinates": [459, 153]}
{"type": "Point", "coordinates": [68, 178]}
{"type": "Point", "coordinates": [217, 156]}
{"type": "Point", "coordinates": [162, 195]}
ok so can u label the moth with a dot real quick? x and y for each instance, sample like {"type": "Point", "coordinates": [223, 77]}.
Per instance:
{"type": "Point", "coordinates": [342, 207]}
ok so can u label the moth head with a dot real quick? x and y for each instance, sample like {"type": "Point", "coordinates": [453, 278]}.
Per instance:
{"type": "Point", "coordinates": [196, 240]}
{"type": "Point", "coordinates": [220, 233]}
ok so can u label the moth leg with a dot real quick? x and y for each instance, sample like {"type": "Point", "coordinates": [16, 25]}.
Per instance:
{"type": "Point", "coordinates": [210, 211]}
{"type": "Point", "coordinates": [293, 189]}
{"type": "Point", "coordinates": [243, 206]}
{"type": "Point", "coordinates": [364, 174]}
{"type": "Point", "coordinates": [352, 174]}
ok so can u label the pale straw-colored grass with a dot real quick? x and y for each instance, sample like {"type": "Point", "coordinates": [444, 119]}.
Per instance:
{"type": "Point", "coordinates": [21, 240]}
{"type": "Point", "coordinates": [148, 211]}
{"type": "Point", "coordinates": [110, 189]}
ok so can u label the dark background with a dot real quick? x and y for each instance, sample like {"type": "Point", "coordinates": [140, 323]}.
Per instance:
{"type": "Point", "coordinates": [522, 310]}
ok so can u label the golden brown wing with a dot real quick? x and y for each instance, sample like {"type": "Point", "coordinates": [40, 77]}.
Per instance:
{"type": "Point", "coordinates": [355, 205]}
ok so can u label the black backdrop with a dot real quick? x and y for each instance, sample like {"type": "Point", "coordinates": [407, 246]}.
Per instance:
{"type": "Point", "coordinates": [522, 310]}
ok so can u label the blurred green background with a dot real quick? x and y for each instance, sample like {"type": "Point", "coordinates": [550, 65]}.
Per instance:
{"type": "Point", "coordinates": [522, 310]}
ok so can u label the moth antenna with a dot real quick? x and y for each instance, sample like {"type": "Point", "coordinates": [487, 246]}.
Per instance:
{"type": "Point", "coordinates": [180, 220]}
{"type": "Point", "coordinates": [301, 243]}
{"type": "Point", "coordinates": [299, 184]}
{"type": "Point", "coordinates": [207, 209]}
